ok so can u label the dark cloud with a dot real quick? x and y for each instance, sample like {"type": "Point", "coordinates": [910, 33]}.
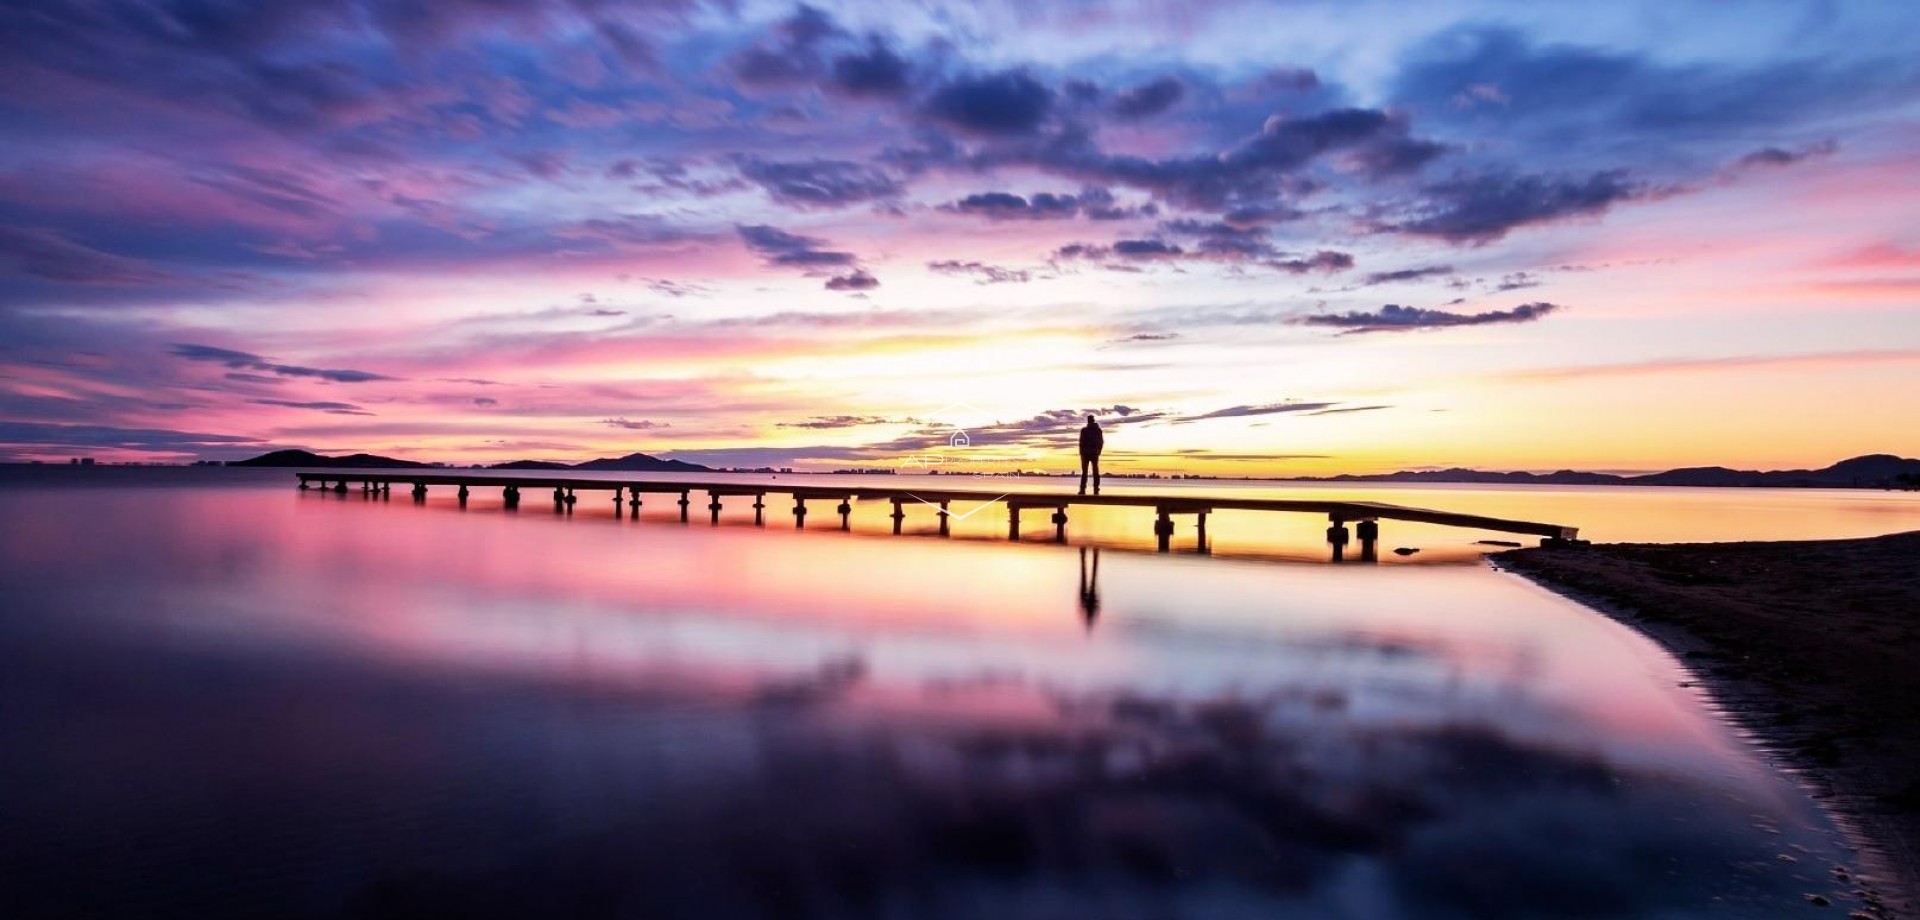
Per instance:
{"type": "Point", "coordinates": [1258, 174]}
{"type": "Point", "coordinates": [1145, 249]}
{"type": "Point", "coordinates": [876, 71]}
{"type": "Point", "coordinates": [1345, 409]}
{"type": "Point", "coordinates": [240, 360]}
{"type": "Point", "coordinates": [1005, 104]}
{"type": "Point", "coordinates": [791, 250]}
{"type": "Point", "coordinates": [1214, 241]}
{"type": "Point", "coordinates": [1407, 274]}
{"type": "Point", "coordinates": [1484, 208]}
{"type": "Point", "coordinates": [1517, 281]}
{"type": "Point", "coordinates": [333, 408]}
{"type": "Point", "coordinates": [1258, 409]}
{"type": "Point", "coordinates": [631, 425]}
{"type": "Point", "coordinates": [819, 183]}
{"type": "Point", "coordinates": [1396, 318]}
{"type": "Point", "coordinates": [829, 422]}
{"type": "Point", "coordinates": [1008, 206]}
{"type": "Point", "coordinates": [1099, 204]}
{"type": "Point", "coordinates": [1398, 156]}
{"type": "Point", "coordinates": [793, 58]}
{"type": "Point", "coordinates": [1325, 261]}
{"type": "Point", "coordinates": [1149, 99]}
{"type": "Point", "coordinates": [980, 272]}
{"type": "Point", "coordinates": [1775, 156]}
{"type": "Point", "coordinates": [853, 281]}
{"type": "Point", "coordinates": [29, 435]}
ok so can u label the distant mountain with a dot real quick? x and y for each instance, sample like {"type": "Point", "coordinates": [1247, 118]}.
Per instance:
{"type": "Point", "coordinates": [642, 463]}
{"type": "Point", "coordinates": [1871, 471]}
{"type": "Point", "coordinates": [627, 464]}
{"type": "Point", "coordinates": [309, 459]}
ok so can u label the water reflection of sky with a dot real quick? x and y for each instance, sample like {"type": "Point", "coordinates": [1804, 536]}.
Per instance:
{"type": "Point", "coordinates": [246, 701]}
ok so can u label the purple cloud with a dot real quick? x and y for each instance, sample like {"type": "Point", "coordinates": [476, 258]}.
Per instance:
{"type": "Point", "coordinates": [1396, 318]}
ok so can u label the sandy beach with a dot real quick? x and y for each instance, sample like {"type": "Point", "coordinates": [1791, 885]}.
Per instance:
{"type": "Point", "coordinates": [1811, 645]}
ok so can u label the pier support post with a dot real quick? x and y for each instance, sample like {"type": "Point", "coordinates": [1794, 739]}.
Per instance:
{"type": "Point", "coordinates": [1337, 539]}
{"type": "Point", "coordinates": [419, 491]}
{"type": "Point", "coordinates": [1013, 522]}
{"type": "Point", "coordinates": [1060, 524]}
{"type": "Point", "coordinates": [1368, 530]}
{"type": "Point", "coordinates": [386, 489]}
{"type": "Point", "coordinates": [1163, 530]}
{"type": "Point", "coordinates": [633, 500]}
{"type": "Point", "coordinates": [713, 506]}
{"type": "Point", "coordinates": [510, 496]}
{"type": "Point", "coordinates": [944, 516]}
{"type": "Point", "coordinates": [799, 512]}
{"type": "Point", "coordinates": [759, 509]}
{"type": "Point", "coordinates": [303, 484]}
{"type": "Point", "coordinates": [570, 498]}
{"type": "Point", "coordinates": [899, 516]}
{"type": "Point", "coordinates": [340, 488]}
{"type": "Point", "coordinates": [846, 514]}
{"type": "Point", "coordinates": [616, 501]}
{"type": "Point", "coordinates": [684, 503]}
{"type": "Point", "coordinates": [559, 496]}
{"type": "Point", "coordinates": [1200, 539]}
{"type": "Point", "coordinates": [463, 495]}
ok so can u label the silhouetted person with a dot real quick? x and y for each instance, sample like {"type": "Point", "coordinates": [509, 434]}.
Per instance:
{"type": "Point", "coordinates": [1091, 443]}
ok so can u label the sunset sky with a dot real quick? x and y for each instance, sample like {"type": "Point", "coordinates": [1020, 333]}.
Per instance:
{"type": "Point", "coordinates": [1255, 239]}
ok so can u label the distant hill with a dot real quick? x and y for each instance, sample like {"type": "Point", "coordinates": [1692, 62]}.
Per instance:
{"type": "Point", "coordinates": [309, 459]}
{"type": "Point", "coordinates": [642, 463]}
{"type": "Point", "coordinates": [627, 464]}
{"type": "Point", "coordinates": [630, 463]}
{"type": "Point", "coordinates": [1868, 472]}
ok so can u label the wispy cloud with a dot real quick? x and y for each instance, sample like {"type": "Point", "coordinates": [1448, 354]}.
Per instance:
{"type": "Point", "coordinates": [1396, 318]}
{"type": "Point", "coordinates": [245, 360]}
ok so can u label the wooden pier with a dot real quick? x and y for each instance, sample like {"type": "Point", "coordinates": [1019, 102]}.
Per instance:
{"type": "Point", "coordinates": [1365, 516]}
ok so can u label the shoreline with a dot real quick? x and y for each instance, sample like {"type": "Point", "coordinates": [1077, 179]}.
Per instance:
{"type": "Point", "coordinates": [1808, 647]}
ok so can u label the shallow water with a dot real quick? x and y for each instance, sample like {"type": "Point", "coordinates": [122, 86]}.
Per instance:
{"type": "Point", "coordinates": [221, 697]}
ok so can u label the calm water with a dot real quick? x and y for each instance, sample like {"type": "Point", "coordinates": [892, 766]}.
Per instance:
{"type": "Point", "coordinates": [221, 697]}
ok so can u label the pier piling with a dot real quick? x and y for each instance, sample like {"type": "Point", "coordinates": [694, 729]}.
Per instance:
{"type": "Point", "coordinates": [1337, 538]}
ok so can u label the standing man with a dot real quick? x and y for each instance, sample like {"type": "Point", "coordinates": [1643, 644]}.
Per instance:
{"type": "Point", "coordinates": [1091, 442]}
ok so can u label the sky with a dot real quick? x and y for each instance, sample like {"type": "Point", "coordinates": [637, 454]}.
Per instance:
{"type": "Point", "coordinates": [1251, 238]}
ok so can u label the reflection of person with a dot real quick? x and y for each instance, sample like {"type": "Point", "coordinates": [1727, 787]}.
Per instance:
{"type": "Point", "coordinates": [1090, 587]}
{"type": "Point", "coordinates": [1091, 442]}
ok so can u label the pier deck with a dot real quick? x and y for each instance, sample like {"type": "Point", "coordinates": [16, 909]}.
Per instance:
{"type": "Point", "coordinates": [1365, 515]}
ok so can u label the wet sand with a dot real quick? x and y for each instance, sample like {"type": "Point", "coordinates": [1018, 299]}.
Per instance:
{"type": "Point", "coordinates": [1813, 646]}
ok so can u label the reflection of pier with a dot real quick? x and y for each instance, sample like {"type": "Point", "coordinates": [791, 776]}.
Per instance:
{"type": "Point", "coordinates": [1365, 516]}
